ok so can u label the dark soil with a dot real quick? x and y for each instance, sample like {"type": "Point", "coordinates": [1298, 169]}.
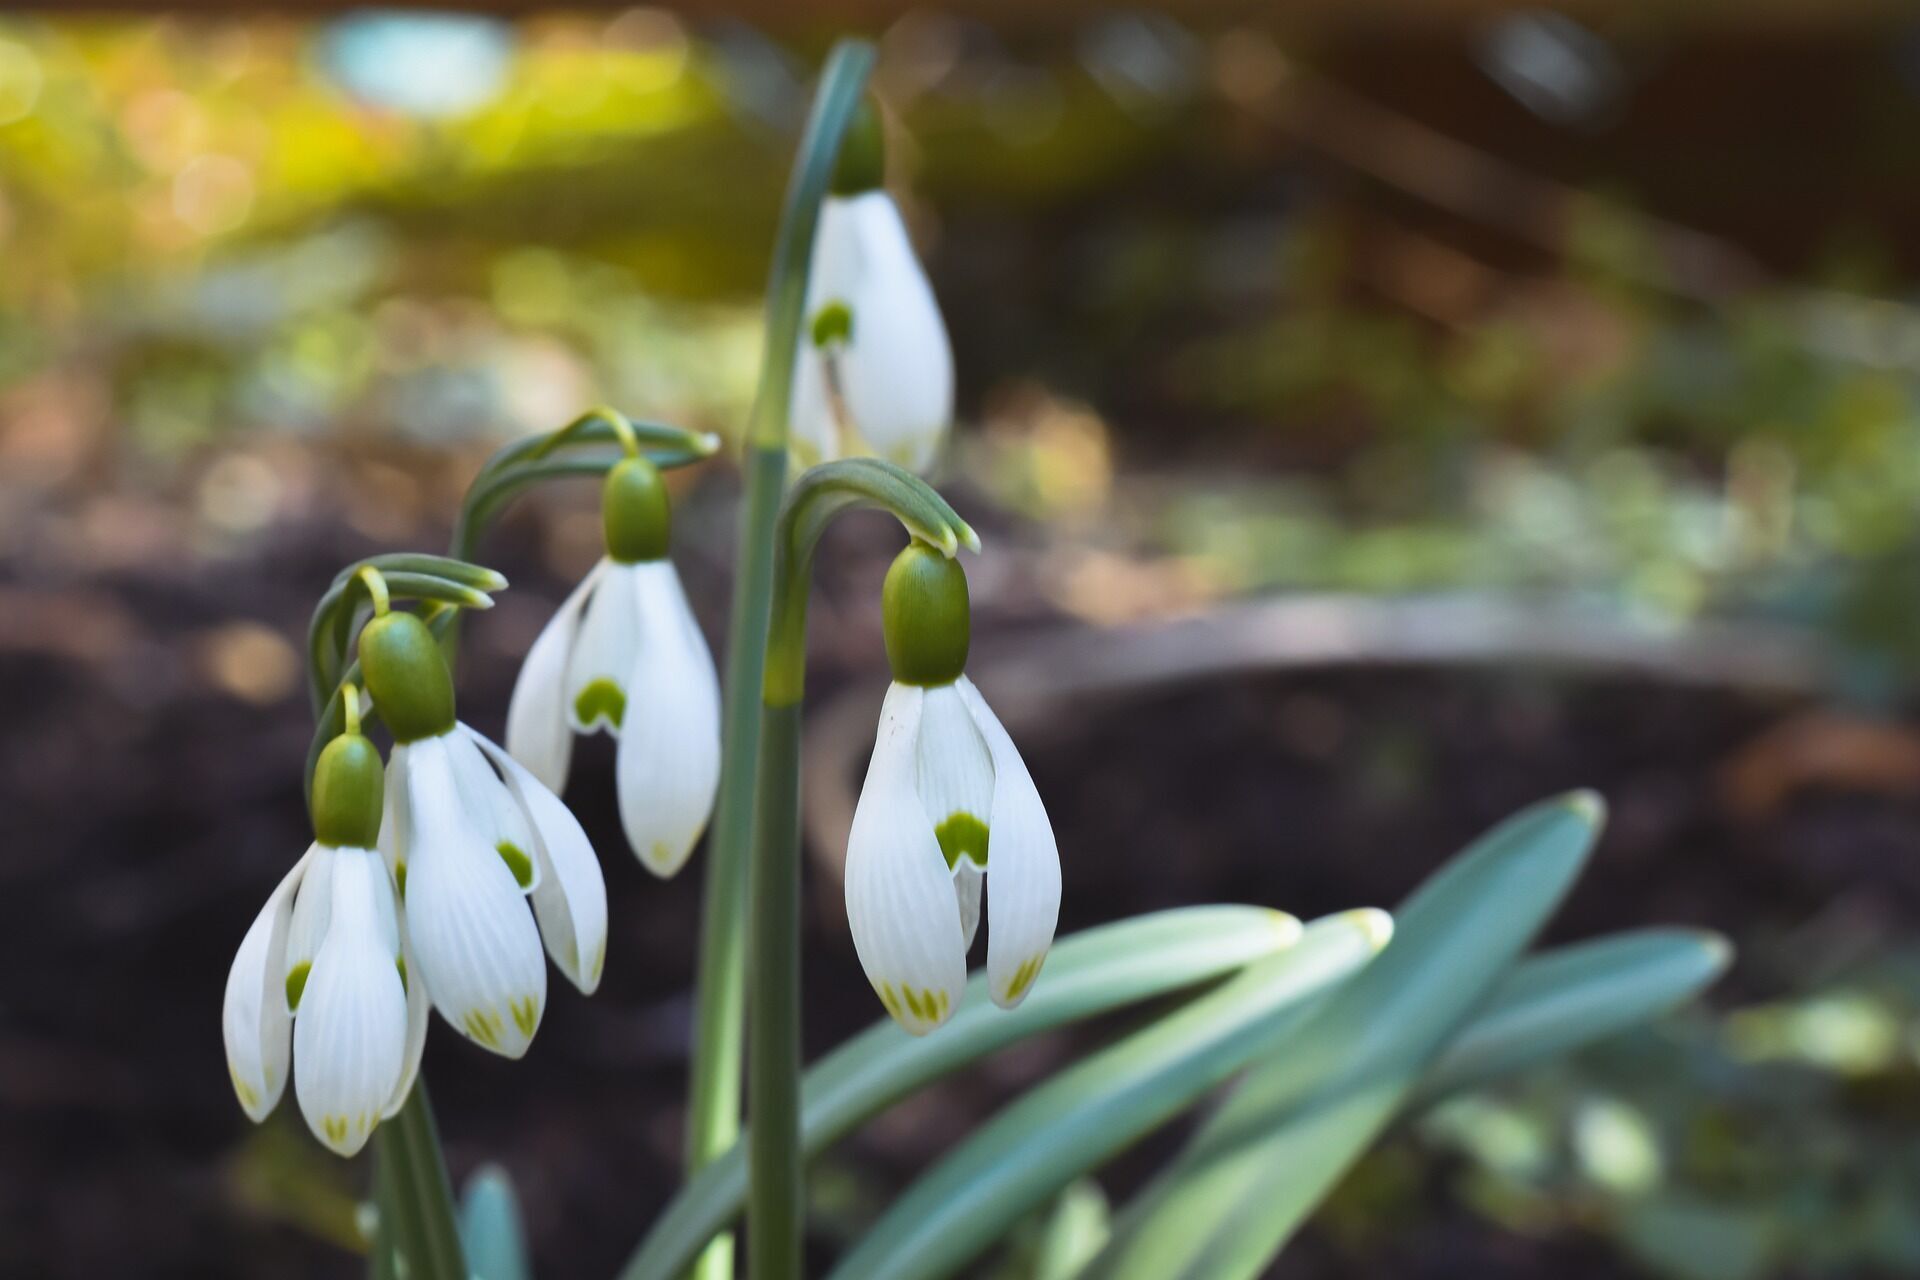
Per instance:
{"type": "Point", "coordinates": [149, 814]}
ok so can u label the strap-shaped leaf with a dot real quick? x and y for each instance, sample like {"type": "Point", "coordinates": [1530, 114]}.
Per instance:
{"type": "Point", "coordinates": [1077, 1119]}
{"type": "Point", "coordinates": [1260, 1164]}
{"type": "Point", "coordinates": [490, 1229]}
{"type": "Point", "coordinates": [1548, 1005]}
{"type": "Point", "coordinates": [1554, 1002]}
{"type": "Point", "coordinates": [1087, 974]}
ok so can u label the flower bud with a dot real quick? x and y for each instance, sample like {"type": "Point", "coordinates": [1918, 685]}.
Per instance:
{"type": "Point", "coordinates": [925, 616]}
{"type": "Point", "coordinates": [636, 512]}
{"type": "Point", "coordinates": [862, 163]}
{"type": "Point", "coordinates": [348, 786]}
{"type": "Point", "coordinates": [407, 676]}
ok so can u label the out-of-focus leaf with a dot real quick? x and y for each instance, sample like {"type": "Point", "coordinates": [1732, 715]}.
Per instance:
{"type": "Point", "coordinates": [1097, 1107]}
{"type": "Point", "coordinates": [1086, 974]}
{"type": "Point", "coordinates": [1692, 1240]}
{"type": "Point", "coordinates": [1553, 1002]}
{"type": "Point", "coordinates": [1076, 1230]}
{"type": "Point", "coordinates": [1261, 1163]}
{"type": "Point", "coordinates": [496, 1244]}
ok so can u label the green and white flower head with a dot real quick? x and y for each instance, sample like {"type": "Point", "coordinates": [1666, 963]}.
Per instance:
{"type": "Point", "coordinates": [625, 655]}
{"type": "Point", "coordinates": [875, 368]}
{"type": "Point", "coordinates": [947, 809]}
{"type": "Point", "coordinates": [321, 987]}
{"type": "Point", "coordinates": [472, 836]}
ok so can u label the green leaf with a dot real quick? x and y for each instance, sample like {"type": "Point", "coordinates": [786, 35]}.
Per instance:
{"type": "Point", "coordinates": [490, 1227]}
{"type": "Point", "coordinates": [1687, 1239]}
{"type": "Point", "coordinates": [1261, 1163]}
{"type": "Point", "coordinates": [477, 576]}
{"type": "Point", "coordinates": [1087, 974]}
{"type": "Point", "coordinates": [1554, 1002]}
{"type": "Point", "coordinates": [1074, 1232]}
{"type": "Point", "coordinates": [415, 1232]}
{"type": "Point", "coordinates": [1079, 1118]}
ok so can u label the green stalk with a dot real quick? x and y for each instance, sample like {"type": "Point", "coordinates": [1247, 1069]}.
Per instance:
{"type": "Point", "coordinates": [713, 1109]}
{"type": "Point", "coordinates": [416, 1196]}
{"type": "Point", "coordinates": [774, 1187]}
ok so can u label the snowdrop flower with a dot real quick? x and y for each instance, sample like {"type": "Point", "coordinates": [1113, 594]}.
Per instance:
{"type": "Point", "coordinates": [624, 654]}
{"type": "Point", "coordinates": [947, 810]}
{"type": "Point", "coordinates": [321, 984]}
{"type": "Point", "coordinates": [471, 836]}
{"type": "Point", "coordinates": [874, 373]}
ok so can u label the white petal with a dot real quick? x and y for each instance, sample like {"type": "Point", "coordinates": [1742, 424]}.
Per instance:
{"type": "Point", "coordinates": [955, 777]}
{"type": "Point", "coordinates": [538, 732]}
{"type": "Point", "coordinates": [571, 899]}
{"type": "Point", "coordinates": [897, 373]}
{"type": "Point", "coordinates": [418, 1007]}
{"type": "Point", "coordinates": [491, 807]}
{"type": "Point", "coordinates": [308, 928]}
{"type": "Point", "coordinates": [900, 897]}
{"type": "Point", "coordinates": [832, 277]}
{"type": "Point", "coordinates": [472, 931]}
{"type": "Point", "coordinates": [814, 431]}
{"type": "Point", "coordinates": [668, 765]}
{"type": "Point", "coordinates": [967, 881]}
{"type": "Point", "coordinates": [350, 1040]}
{"type": "Point", "coordinates": [603, 654]}
{"type": "Point", "coordinates": [1023, 866]}
{"type": "Point", "coordinates": [253, 1016]}
{"type": "Point", "coordinates": [396, 821]}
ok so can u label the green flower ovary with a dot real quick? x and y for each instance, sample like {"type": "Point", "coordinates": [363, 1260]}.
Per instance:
{"type": "Point", "coordinates": [348, 786]}
{"type": "Point", "coordinates": [635, 512]}
{"type": "Point", "coordinates": [407, 676]}
{"type": "Point", "coordinates": [925, 616]}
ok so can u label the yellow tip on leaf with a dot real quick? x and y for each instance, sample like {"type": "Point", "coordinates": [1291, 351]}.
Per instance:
{"type": "Point", "coordinates": [1374, 923]}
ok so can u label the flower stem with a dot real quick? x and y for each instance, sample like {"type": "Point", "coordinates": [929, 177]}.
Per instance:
{"type": "Point", "coordinates": [775, 1188]}
{"type": "Point", "coordinates": [714, 1103]}
{"type": "Point", "coordinates": [416, 1197]}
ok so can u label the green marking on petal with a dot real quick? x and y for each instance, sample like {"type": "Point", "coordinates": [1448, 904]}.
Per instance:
{"type": "Point", "coordinates": [336, 1127]}
{"type": "Point", "coordinates": [1023, 977]}
{"type": "Point", "coordinates": [244, 1091]}
{"type": "Point", "coordinates": [517, 862]}
{"type": "Point", "coordinates": [482, 1025]}
{"type": "Point", "coordinates": [297, 983]}
{"type": "Point", "coordinates": [526, 1014]}
{"type": "Point", "coordinates": [832, 324]}
{"type": "Point", "coordinates": [602, 699]}
{"type": "Point", "coordinates": [963, 836]}
{"type": "Point", "coordinates": [400, 963]}
{"type": "Point", "coordinates": [400, 878]}
{"type": "Point", "coordinates": [599, 962]}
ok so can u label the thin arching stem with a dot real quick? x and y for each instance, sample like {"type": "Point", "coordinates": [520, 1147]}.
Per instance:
{"type": "Point", "coordinates": [713, 1122]}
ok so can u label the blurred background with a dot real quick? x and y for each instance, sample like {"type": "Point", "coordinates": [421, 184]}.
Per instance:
{"type": "Point", "coordinates": [1532, 398]}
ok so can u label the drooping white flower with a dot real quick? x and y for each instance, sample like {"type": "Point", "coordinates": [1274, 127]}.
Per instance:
{"type": "Point", "coordinates": [948, 804]}
{"type": "Point", "coordinates": [624, 655]}
{"type": "Point", "coordinates": [874, 373]}
{"type": "Point", "coordinates": [472, 835]}
{"type": "Point", "coordinates": [324, 966]}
